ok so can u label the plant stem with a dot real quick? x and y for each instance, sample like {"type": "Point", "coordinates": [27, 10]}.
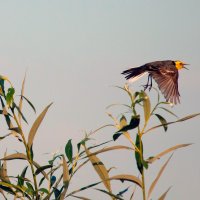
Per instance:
{"type": "Point", "coordinates": [143, 176]}
{"type": "Point", "coordinates": [143, 186]}
{"type": "Point", "coordinates": [34, 178]}
{"type": "Point", "coordinates": [28, 155]}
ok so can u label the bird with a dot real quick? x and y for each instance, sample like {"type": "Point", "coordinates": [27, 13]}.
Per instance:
{"type": "Point", "coordinates": [165, 73]}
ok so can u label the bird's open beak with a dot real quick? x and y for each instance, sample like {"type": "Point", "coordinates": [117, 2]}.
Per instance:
{"type": "Point", "coordinates": [184, 66]}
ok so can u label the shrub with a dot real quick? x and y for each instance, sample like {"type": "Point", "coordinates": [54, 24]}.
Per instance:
{"type": "Point", "coordinates": [55, 177]}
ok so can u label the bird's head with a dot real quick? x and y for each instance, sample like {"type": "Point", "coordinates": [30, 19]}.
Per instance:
{"type": "Point", "coordinates": [179, 64]}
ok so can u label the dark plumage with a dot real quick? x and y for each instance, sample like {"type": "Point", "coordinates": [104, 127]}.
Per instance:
{"type": "Point", "coordinates": [165, 73]}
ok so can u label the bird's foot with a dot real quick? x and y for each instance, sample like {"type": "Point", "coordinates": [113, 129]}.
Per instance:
{"type": "Point", "coordinates": [150, 86]}
{"type": "Point", "coordinates": [145, 86]}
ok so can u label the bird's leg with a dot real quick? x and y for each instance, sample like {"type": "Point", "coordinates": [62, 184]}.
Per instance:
{"type": "Point", "coordinates": [150, 86]}
{"type": "Point", "coordinates": [147, 85]}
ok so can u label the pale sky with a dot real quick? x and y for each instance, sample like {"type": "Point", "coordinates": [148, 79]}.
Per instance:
{"type": "Point", "coordinates": [74, 52]}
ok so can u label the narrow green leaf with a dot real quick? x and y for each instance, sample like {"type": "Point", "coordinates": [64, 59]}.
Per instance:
{"type": "Point", "coordinates": [31, 153]}
{"type": "Point", "coordinates": [82, 142]}
{"type": "Point", "coordinates": [19, 112]}
{"type": "Point", "coordinates": [2, 137]}
{"type": "Point", "coordinates": [88, 186]}
{"type": "Point", "coordinates": [29, 102]}
{"type": "Point", "coordinates": [43, 190]}
{"type": "Point", "coordinates": [8, 121]}
{"type": "Point", "coordinates": [41, 180]}
{"type": "Point", "coordinates": [135, 120]}
{"type": "Point", "coordinates": [43, 172]}
{"type": "Point", "coordinates": [79, 146]}
{"type": "Point", "coordinates": [80, 197]}
{"type": "Point", "coordinates": [36, 125]}
{"type": "Point", "coordinates": [109, 193]}
{"type": "Point", "coordinates": [122, 123]}
{"type": "Point", "coordinates": [98, 145]}
{"type": "Point", "coordinates": [21, 178]}
{"type": "Point", "coordinates": [1, 112]}
{"type": "Point", "coordinates": [54, 158]}
{"type": "Point", "coordinates": [56, 193]}
{"type": "Point", "coordinates": [11, 186]}
{"type": "Point", "coordinates": [5, 79]}
{"type": "Point", "coordinates": [69, 150]}
{"type": "Point", "coordinates": [116, 136]}
{"type": "Point", "coordinates": [7, 189]}
{"type": "Point", "coordinates": [39, 170]}
{"type": "Point", "coordinates": [139, 159]}
{"type": "Point", "coordinates": [83, 188]}
{"type": "Point", "coordinates": [53, 180]}
{"type": "Point", "coordinates": [138, 101]}
{"type": "Point", "coordinates": [169, 111]}
{"type": "Point", "coordinates": [123, 192]}
{"type": "Point", "coordinates": [30, 189]}
{"type": "Point", "coordinates": [145, 164]}
{"type": "Point", "coordinates": [162, 121]}
{"type": "Point", "coordinates": [136, 94]}
{"type": "Point", "coordinates": [2, 91]}
{"type": "Point", "coordinates": [10, 96]}
{"type": "Point", "coordinates": [7, 118]}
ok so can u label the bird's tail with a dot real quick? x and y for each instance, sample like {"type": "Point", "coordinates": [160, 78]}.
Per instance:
{"type": "Point", "coordinates": [133, 74]}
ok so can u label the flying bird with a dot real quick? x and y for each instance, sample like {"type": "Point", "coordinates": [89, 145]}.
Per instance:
{"type": "Point", "coordinates": [165, 73]}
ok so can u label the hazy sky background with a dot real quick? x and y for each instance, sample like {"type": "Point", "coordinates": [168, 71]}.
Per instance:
{"type": "Point", "coordinates": [74, 51]}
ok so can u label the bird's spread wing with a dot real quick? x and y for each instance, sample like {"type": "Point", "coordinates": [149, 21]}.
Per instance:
{"type": "Point", "coordinates": [167, 80]}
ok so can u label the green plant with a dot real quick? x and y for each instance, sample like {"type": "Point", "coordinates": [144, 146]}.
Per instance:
{"type": "Point", "coordinates": [140, 128]}
{"type": "Point", "coordinates": [55, 177]}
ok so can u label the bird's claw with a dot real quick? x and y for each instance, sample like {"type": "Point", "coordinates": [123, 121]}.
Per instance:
{"type": "Point", "coordinates": [150, 86]}
{"type": "Point", "coordinates": [147, 86]}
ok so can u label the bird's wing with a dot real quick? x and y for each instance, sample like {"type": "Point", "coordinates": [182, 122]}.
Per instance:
{"type": "Point", "coordinates": [167, 80]}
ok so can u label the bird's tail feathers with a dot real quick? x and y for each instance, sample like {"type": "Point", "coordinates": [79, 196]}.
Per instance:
{"type": "Point", "coordinates": [133, 79]}
{"type": "Point", "coordinates": [134, 74]}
